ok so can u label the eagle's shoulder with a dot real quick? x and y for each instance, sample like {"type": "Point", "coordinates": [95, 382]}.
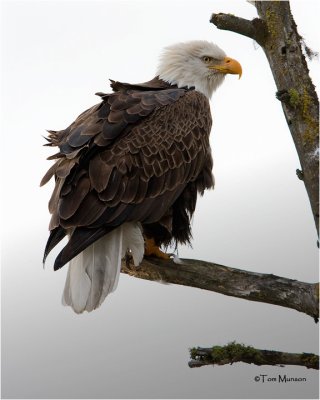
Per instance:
{"type": "Point", "coordinates": [117, 114]}
{"type": "Point", "coordinates": [107, 120]}
{"type": "Point", "coordinates": [154, 84]}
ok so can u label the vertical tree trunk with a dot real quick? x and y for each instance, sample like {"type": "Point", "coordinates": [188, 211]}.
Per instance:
{"type": "Point", "coordinates": [276, 32]}
{"type": "Point", "coordinates": [296, 91]}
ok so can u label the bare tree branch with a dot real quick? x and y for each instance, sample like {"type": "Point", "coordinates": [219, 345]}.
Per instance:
{"type": "Point", "coordinates": [255, 29]}
{"type": "Point", "coordinates": [266, 288]}
{"type": "Point", "coordinates": [235, 352]}
{"type": "Point", "coordinates": [276, 32]}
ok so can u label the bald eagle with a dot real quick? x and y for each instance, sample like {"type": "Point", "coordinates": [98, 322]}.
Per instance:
{"type": "Point", "coordinates": [129, 170]}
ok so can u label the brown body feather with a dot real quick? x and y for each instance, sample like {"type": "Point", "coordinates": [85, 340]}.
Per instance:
{"type": "Point", "coordinates": [142, 154]}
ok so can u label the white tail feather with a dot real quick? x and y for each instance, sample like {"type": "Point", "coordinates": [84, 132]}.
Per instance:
{"type": "Point", "coordinates": [94, 273]}
{"type": "Point", "coordinates": [133, 240]}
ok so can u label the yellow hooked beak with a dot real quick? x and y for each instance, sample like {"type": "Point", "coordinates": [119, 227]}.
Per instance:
{"type": "Point", "coordinates": [228, 66]}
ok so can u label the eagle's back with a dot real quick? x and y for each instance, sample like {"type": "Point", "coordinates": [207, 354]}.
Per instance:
{"type": "Point", "coordinates": [141, 155]}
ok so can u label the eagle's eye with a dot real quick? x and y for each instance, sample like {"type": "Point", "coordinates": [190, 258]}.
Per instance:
{"type": "Point", "coordinates": [206, 59]}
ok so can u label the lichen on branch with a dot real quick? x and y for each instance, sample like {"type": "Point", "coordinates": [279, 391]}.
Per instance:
{"type": "Point", "coordinates": [235, 352]}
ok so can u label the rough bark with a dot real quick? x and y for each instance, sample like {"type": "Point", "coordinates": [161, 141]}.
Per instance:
{"type": "Point", "coordinates": [234, 352]}
{"type": "Point", "coordinates": [266, 288]}
{"type": "Point", "coordinates": [255, 29]}
{"type": "Point", "coordinates": [277, 34]}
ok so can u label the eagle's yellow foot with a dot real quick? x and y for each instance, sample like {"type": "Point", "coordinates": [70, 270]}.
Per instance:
{"type": "Point", "coordinates": [151, 249]}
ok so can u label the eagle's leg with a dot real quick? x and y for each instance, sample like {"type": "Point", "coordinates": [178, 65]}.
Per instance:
{"type": "Point", "coordinates": [151, 249]}
{"type": "Point", "coordinates": [128, 260]}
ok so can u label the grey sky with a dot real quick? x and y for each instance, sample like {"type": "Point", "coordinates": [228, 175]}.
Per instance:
{"type": "Point", "coordinates": [56, 55]}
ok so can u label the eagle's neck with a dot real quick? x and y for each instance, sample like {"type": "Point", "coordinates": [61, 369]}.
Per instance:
{"type": "Point", "coordinates": [182, 77]}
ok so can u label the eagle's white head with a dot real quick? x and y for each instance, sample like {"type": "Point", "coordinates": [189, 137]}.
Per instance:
{"type": "Point", "coordinates": [198, 64]}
